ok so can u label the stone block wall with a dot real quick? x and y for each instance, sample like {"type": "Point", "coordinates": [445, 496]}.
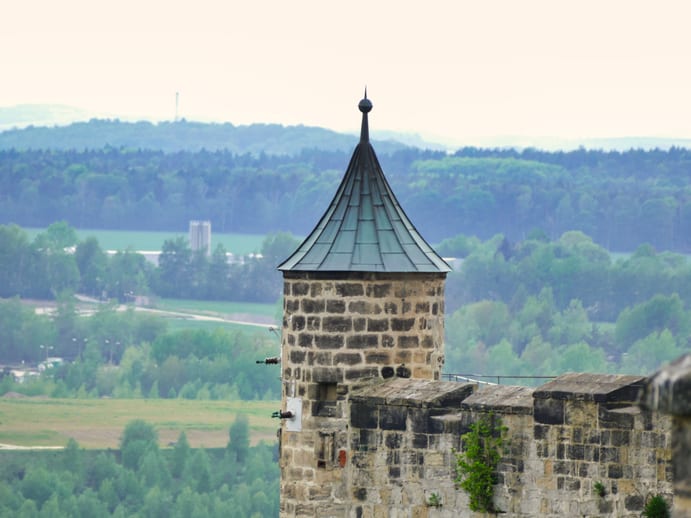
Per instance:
{"type": "Point", "coordinates": [562, 438]}
{"type": "Point", "coordinates": [589, 429]}
{"type": "Point", "coordinates": [362, 326]}
{"type": "Point", "coordinates": [668, 392]}
{"type": "Point", "coordinates": [341, 332]}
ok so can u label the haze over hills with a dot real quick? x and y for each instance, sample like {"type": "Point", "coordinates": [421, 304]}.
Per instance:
{"type": "Point", "coordinates": [63, 127]}
{"type": "Point", "coordinates": [23, 115]}
{"type": "Point", "coordinates": [44, 126]}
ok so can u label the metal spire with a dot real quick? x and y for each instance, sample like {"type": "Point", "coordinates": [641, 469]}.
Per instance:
{"type": "Point", "coordinates": [365, 106]}
{"type": "Point", "coordinates": [364, 229]}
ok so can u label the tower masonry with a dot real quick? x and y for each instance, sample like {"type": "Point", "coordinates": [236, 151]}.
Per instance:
{"type": "Point", "coordinates": [363, 303]}
{"type": "Point", "coordinates": [368, 429]}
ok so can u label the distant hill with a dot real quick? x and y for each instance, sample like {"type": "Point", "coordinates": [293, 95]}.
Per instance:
{"type": "Point", "coordinates": [569, 144]}
{"type": "Point", "coordinates": [273, 139]}
{"type": "Point", "coordinates": [23, 115]}
{"type": "Point", "coordinates": [46, 126]}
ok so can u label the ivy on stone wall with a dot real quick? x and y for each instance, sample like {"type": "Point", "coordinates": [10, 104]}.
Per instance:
{"type": "Point", "coordinates": [476, 464]}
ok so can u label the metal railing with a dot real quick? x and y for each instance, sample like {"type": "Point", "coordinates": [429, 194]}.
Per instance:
{"type": "Point", "coordinates": [479, 378]}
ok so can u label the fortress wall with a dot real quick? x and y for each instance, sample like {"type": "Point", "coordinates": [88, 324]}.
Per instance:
{"type": "Point", "coordinates": [562, 438]}
{"type": "Point", "coordinates": [668, 392]}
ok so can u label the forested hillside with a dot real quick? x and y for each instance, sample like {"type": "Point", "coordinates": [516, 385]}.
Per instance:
{"type": "Point", "coordinates": [141, 479]}
{"type": "Point", "coordinates": [272, 139]}
{"type": "Point", "coordinates": [532, 307]}
{"type": "Point", "coordinates": [620, 199]}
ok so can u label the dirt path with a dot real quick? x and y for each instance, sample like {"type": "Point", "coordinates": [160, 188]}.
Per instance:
{"type": "Point", "coordinates": [242, 319]}
{"type": "Point", "coordinates": [86, 308]}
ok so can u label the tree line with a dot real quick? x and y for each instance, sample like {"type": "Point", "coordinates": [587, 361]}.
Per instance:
{"type": "Point", "coordinates": [129, 354]}
{"type": "Point", "coordinates": [516, 295]}
{"type": "Point", "coordinates": [620, 199]}
{"type": "Point", "coordinates": [183, 135]}
{"type": "Point", "coordinates": [540, 307]}
{"type": "Point", "coordinates": [56, 262]}
{"type": "Point", "coordinates": [141, 479]}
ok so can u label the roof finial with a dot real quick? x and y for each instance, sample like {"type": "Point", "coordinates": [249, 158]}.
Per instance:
{"type": "Point", "coordinates": [365, 106]}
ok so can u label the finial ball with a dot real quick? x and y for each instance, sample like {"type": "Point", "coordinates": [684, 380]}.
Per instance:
{"type": "Point", "coordinates": [365, 105]}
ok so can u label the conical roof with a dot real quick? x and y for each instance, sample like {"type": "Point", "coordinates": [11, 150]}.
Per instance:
{"type": "Point", "coordinates": [364, 229]}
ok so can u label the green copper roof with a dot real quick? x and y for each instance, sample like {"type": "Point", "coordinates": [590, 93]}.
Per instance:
{"type": "Point", "coordinates": [364, 229]}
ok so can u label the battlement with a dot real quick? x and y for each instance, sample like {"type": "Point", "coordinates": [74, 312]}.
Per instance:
{"type": "Point", "coordinates": [562, 438]}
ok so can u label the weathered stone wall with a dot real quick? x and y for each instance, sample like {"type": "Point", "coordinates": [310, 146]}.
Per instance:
{"type": "Point", "coordinates": [361, 359]}
{"type": "Point", "coordinates": [363, 326]}
{"type": "Point", "coordinates": [589, 429]}
{"type": "Point", "coordinates": [561, 440]}
{"type": "Point", "coordinates": [669, 392]}
{"type": "Point", "coordinates": [340, 332]}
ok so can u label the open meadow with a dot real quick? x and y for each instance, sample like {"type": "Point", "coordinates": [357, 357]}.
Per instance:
{"type": "Point", "coordinates": [248, 317]}
{"type": "Point", "coordinates": [238, 244]}
{"type": "Point", "coordinates": [99, 423]}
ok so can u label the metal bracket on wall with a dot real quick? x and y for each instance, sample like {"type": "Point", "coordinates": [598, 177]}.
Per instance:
{"type": "Point", "coordinates": [294, 405]}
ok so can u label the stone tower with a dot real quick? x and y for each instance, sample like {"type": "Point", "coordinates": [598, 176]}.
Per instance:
{"type": "Point", "coordinates": [363, 302]}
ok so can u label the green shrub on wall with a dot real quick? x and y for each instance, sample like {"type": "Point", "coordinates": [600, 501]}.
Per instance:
{"type": "Point", "coordinates": [476, 464]}
{"type": "Point", "coordinates": [656, 507]}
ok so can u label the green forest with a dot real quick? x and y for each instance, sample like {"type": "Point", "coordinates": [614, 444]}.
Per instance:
{"type": "Point", "coordinates": [142, 479]}
{"type": "Point", "coordinates": [532, 307]}
{"type": "Point", "coordinates": [620, 199]}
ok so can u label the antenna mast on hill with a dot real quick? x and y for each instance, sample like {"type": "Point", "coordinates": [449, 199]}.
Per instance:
{"type": "Point", "coordinates": [177, 96]}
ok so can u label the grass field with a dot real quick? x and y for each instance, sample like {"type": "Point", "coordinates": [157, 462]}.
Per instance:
{"type": "Point", "coordinates": [99, 423]}
{"type": "Point", "coordinates": [232, 316]}
{"type": "Point", "coordinates": [239, 244]}
{"type": "Point", "coordinates": [218, 307]}
{"type": "Point", "coordinates": [177, 324]}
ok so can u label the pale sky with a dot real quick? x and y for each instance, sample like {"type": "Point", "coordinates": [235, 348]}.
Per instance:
{"type": "Point", "coordinates": [451, 69]}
